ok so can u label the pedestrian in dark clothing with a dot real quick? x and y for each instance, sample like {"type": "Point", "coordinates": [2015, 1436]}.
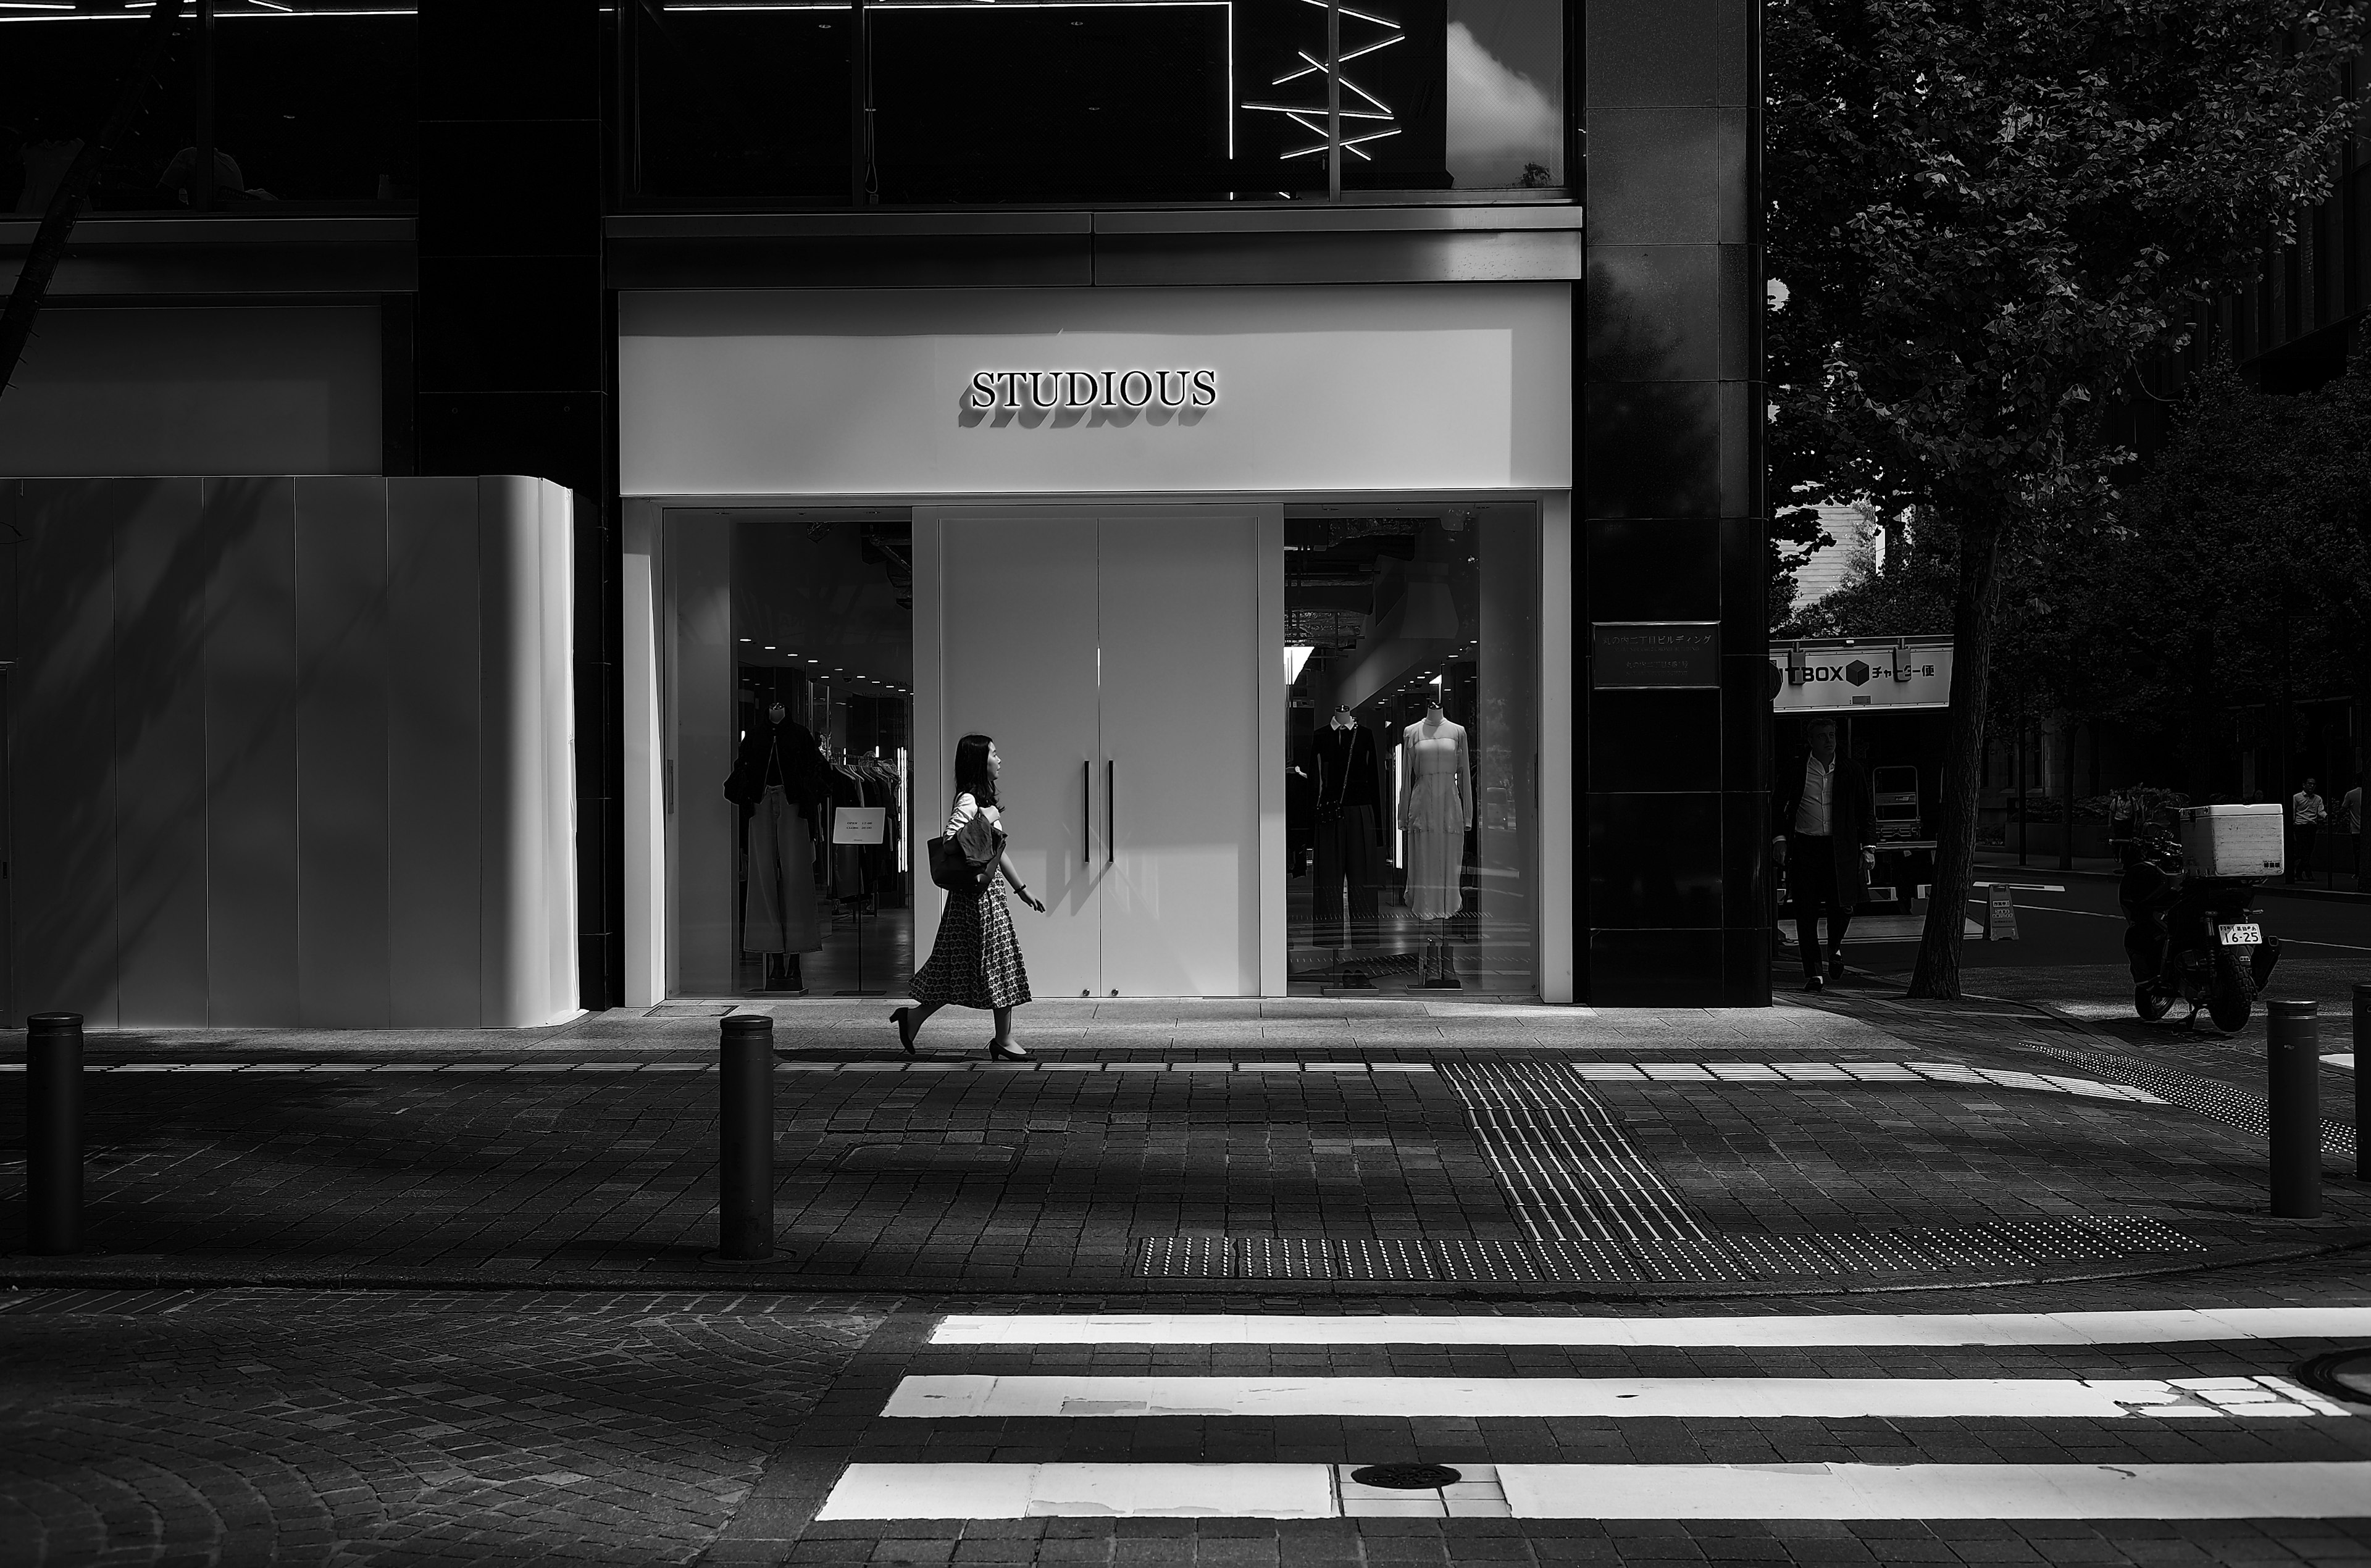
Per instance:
{"type": "Point", "coordinates": [1825, 817]}
{"type": "Point", "coordinates": [2307, 810]}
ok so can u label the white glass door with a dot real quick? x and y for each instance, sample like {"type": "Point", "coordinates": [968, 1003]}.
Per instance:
{"type": "Point", "coordinates": [1180, 803]}
{"type": "Point", "coordinates": [1017, 661]}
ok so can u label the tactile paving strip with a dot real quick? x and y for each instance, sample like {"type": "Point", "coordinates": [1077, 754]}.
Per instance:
{"type": "Point", "coordinates": [2224, 1103]}
{"type": "Point", "coordinates": [2008, 1247]}
{"type": "Point", "coordinates": [1569, 1172]}
{"type": "Point", "coordinates": [1811, 1075]}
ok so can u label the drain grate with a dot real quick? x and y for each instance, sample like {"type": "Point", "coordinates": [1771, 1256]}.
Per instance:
{"type": "Point", "coordinates": [2010, 1245]}
{"type": "Point", "coordinates": [2224, 1103]}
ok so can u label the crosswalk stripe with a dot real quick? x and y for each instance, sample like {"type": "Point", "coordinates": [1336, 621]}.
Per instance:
{"type": "Point", "coordinates": [2297, 1489]}
{"type": "Point", "coordinates": [957, 1396]}
{"type": "Point", "coordinates": [2290, 1489]}
{"type": "Point", "coordinates": [1935, 1329]}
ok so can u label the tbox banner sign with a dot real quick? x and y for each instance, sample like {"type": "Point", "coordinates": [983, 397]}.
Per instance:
{"type": "Point", "coordinates": [1833, 678]}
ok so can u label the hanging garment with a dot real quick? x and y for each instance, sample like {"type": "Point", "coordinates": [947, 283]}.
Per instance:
{"type": "Point", "coordinates": [1349, 833]}
{"type": "Point", "coordinates": [1349, 852]}
{"type": "Point", "coordinates": [1435, 812]}
{"type": "Point", "coordinates": [778, 912]}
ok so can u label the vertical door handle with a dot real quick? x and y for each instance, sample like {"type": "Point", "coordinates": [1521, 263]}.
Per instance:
{"type": "Point", "coordinates": [1087, 812]}
{"type": "Point", "coordinates": [1111, 811]}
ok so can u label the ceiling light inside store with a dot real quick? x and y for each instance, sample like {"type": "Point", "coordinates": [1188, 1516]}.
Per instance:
{"type": "Point", "coordinates": [1294, 658]}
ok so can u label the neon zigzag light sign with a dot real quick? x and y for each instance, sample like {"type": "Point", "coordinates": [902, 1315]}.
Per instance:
{"type": "Point", "coordinates": [1312, 119]}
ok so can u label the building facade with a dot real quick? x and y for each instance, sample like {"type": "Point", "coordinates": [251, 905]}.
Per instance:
{"type": "Point", "coordinates": [1321, 444]}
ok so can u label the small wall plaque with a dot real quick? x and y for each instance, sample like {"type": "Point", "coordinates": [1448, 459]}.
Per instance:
{"type": "Point", "coordinates": [1648, 655]}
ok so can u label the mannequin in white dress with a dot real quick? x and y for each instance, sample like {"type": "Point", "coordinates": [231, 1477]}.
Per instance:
{"type": "Point", "coordinates": [1436, 810]}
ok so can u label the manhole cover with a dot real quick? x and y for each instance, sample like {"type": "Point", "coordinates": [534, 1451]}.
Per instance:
{"type": "Point", "coordinates": [2340, 1374]}
{"type": "Point", "coordinates": [1407, 1478]}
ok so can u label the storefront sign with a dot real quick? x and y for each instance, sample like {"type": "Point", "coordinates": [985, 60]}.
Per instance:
{"type": "Point", "coordinates": [1655, 654]}
{"type": "Point", "coordinates": [1092, 389]}
{"type": "Point", "coordinates": [1843, 677]}
{"type": "Point", "coordinates": [913, 393]}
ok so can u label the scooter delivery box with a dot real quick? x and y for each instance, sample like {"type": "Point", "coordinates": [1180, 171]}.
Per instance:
{"type": "Point", "coordinates": [2233, 841]}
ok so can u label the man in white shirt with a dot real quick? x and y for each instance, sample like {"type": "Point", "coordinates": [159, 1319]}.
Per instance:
{"type": "Point", "coordinates": [1826, 822]}
{"type": "Point", "coordinates": [2307, 813]}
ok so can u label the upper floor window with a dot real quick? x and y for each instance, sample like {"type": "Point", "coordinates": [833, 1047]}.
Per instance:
{"type": "Point", "coordinates": [761, 103]}
{"type": "Point", "coordinates": [260, 104]}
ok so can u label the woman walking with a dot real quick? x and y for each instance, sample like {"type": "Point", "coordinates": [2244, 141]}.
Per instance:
{"type": "Point", "coordinates": [976, 961]}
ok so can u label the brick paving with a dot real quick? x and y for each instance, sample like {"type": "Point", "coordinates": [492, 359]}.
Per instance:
{"type": "Point", "coordinates": [586, 1155]}
{"type": "Point", "coordinates": [598, 1395]}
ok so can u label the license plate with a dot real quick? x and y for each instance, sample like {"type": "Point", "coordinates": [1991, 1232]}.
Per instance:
{"type": "Point", "coordinates": [2248, 935]}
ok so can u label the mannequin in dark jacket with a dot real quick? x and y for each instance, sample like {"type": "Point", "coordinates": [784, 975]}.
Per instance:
{"type": "Point", "coordinates": [1825, 817]}
{"type": "Point", "coordinates": [1350, 790]}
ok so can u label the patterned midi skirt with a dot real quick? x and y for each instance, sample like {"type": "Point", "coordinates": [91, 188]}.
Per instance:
{"type": "Point", "coordinates": [976, 963]}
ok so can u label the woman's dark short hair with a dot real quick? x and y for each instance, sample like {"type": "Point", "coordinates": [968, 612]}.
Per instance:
{"type": "Point", "coordinates": [972, 777]}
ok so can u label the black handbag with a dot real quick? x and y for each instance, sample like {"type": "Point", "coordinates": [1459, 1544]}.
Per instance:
{"type": "Point", "coordinates": [964, 860]}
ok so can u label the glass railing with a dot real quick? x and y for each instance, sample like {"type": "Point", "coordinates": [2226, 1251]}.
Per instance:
{"type": "Point", "coordinates": [313, 107]}
{"type": "Point", "coordinates": [899, 102]}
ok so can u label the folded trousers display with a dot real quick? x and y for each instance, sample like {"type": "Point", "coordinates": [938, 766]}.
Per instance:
{"type": "Point", "coordinates": [1346, 851]}
{"type": "Point", "coordinates": [778, 914]}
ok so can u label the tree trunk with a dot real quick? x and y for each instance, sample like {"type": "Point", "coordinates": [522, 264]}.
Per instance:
{"type": "Point", "coordinates": [49, 246]}
{"type": "Point", "coordinates": [2066, 733]}
{"type": "Point", "coordinates": [2362, 765]}
{"type": "Point", "coordinates": [1938, 973]}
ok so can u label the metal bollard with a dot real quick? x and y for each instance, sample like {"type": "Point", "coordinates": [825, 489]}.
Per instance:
{"type": "Point", "coordinates": [744, 1167]}
{"type": "Point", "coordinates": [2293, 1053]}
{"type": "Point", "coordinates": [53, 1133]}
{"type": "Point", "coordinates": [2362, 1083]}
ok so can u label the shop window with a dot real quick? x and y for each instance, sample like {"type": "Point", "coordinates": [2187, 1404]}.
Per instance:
{"type": "Point", "coordinates": [920, 102]}
{"type": "Point", "coordinates": [1411, 746]}
{"type": "Point", "coordinates": [297, 109]}
{"type": "Point", "coordinates": [791, 687]}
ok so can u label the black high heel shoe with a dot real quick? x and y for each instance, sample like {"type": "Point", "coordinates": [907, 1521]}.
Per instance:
{"type": "Point", "coordinates": [905, 1035]}
{"type": "Point", "coordinates": [1008, 1052]}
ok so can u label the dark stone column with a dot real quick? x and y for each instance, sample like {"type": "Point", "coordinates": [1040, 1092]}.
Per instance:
{"type": "Point", "coordinates": [516, 347]}
{"type": "Point", "coordinates": [1671, 513]}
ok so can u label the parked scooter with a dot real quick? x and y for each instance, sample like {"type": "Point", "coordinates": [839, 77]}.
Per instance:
{"type": "Point", "coordinates": [2192, 939]}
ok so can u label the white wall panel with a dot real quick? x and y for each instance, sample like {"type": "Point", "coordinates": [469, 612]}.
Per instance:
{"type": "Point", "coordinates": [342, 741]}
{"type": "Point", "coordinates": [250, 760]}
{"type": "Point", "coordinates": [159, 706]}
{"type": "Point", "coordinates": [434, 867]}
{"type": "Point", "coordinates": [249, 708]}
{"type": "Point", "coordinates": [511, 744]}
{"type": "Point", "coordinates": [853, 392]}
{"type": "Point", "coordinates": [556, 810]}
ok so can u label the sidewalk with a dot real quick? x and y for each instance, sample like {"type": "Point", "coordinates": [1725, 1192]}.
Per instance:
{"type": "Point", "coordinates": [1400, 1147]}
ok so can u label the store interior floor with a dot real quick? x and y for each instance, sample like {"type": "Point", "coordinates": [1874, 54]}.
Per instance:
{"type": "Point", "coordinates": [1390, 963]}
{"type": "Point", "coordinates": [887, 956]}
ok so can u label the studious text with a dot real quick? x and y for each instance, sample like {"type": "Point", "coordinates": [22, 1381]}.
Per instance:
{"type": "Point", "coordinates": [1093, 390]}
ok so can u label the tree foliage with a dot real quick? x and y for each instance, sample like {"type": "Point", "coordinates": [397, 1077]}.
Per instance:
{"type": "Point", "coordinates": [1984, 215]}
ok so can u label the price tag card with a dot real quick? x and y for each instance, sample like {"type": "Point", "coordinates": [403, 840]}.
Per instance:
{"type": "Point", "coordinates": [859, 824]}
